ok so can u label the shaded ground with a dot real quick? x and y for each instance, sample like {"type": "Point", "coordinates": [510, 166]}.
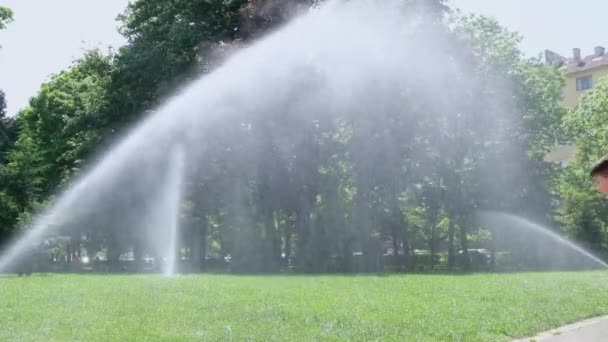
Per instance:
{"type": "Point", "coordinates": [480, 307]}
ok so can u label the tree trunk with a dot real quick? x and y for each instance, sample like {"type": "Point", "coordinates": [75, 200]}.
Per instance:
{"type": "Point", "coordinates": [276, 242]}
{"type": "Point", "coordinates": [406, 246]}
{"type": "Point", "coordinates": [303, 257]}
{"type": "Point", "coordinates": [492, 252]}
{"type": "Point", "coordinates": [198, 246]}
{"type": "Point", "coordinates": [395, 236]}
{"type": "Point", "coordinates": [451, 250]}
{"type": "Point", "coordinates": [68, 256]}
{"type": "Point", "coordinates": [137, 256]}
{"type": "Point", "coordinates": [203, 242]}
{"type": "Point", "coordinates": [363, 219]}
{"type": "Point", "coordinates": [113, 254]}
{"type": "Point", "coordinates": [195, 249]}
{"type": "Point", "coordinates": [464, 243]}
{"type": "Point", "coordinates": [268, 256]}
{"type": "Point", "coordinates": [289, 228]}
{"type": "Point", "coordinates": [432, 246]}
{"type": "Point", "coordinates": [433, 229]}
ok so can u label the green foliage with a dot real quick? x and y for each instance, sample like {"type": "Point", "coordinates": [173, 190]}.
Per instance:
{"type": "Point", "coordinates": [60, 128]}
{"type": "Point", "coordinates": [8, 129]}
{"type": "Point", "coordinates": [584, 212]}
{"type": "Point", "coordinates": [6, 16]}
{"type": "Point", "coordinates": [167, 42]}
{"type": "Point", "coordinates": [8, 135]}
{"type": "Point", "coordinates": [585, 125]}
{"type": "Point", "coordinates": [63, 123]}
{"type": "Point", "coordinates": [22, 174]}
{"type": "Point", "coordinates": [327, 199]}
{"type": "Point", "coordinates": [8, 215]}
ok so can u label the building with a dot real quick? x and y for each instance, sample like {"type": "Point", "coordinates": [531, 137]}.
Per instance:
{"type": "Point", "coordinates": [581, 74]}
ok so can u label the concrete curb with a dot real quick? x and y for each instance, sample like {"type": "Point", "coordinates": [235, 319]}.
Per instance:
{"type": "Point", "coordinates": [589, 330]}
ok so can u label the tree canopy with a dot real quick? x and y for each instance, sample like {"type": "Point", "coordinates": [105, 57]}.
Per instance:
{"type": "Point", "coordinates": [329, 201]}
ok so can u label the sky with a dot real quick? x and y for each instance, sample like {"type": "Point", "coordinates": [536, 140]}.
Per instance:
{"type": "Point", "coordinates": [47, 36]}
{"type": "Point", "coordinates": [558, 25]}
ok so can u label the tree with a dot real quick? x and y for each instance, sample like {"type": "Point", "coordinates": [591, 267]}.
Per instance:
{"type": "Point", "coordinates": [8, 136]}
{"type": "Point", "coordinates": [8, 129]}
{"type": "Point", "coordinates": [583, 211]}
{"type": "Point", "coordinates": [168, 40]}
{"type": "Point", "coordinates": [64, 122]}
{"type": "Point", "coordinates": [6, 16]}
{"type": "Point", "coordinates": [399, 164]}
{"type": "Point", "coordinates": [8, 126]}
{"type": "Point", "coordinates": [57, 132]}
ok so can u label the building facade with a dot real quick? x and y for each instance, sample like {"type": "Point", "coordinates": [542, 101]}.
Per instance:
{"type": "Point", "coordinates": [582, 73]}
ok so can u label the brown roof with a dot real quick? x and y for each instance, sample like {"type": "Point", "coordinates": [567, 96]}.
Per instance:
{"type": "Point", "coordinates": [587, 63]}
{"type": "Point", "coordinates": [572, 66]}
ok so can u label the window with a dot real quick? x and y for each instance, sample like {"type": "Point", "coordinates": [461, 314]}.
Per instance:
{"type": "Point", "coordinates": [583, 83]}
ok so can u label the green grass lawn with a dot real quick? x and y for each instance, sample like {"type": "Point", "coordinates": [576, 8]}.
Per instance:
{"type": "Point", "coordinates": [481, 307]}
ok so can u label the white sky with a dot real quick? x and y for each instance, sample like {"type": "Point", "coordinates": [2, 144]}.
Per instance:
{"type": "Point", "coordinates": [48, 34]}
{"type": "Point", "coordinates": [558, 25]}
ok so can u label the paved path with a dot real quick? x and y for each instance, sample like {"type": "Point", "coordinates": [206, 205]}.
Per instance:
{"type": "Point", "coordinates": [590, 330]}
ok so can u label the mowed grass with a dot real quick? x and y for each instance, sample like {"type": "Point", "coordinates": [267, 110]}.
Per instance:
{"type": "Point", "coordinates": [478, 307]}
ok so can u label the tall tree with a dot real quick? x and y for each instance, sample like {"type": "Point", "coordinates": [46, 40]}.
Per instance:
{"type": "Point", "coordinates": [583, 211]}
{"type": "Point", "coordinates": [410, 167]}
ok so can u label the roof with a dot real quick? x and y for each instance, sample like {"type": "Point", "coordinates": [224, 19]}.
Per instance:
{"type": "Point", "coordinates": [587, 63]}
{"type": "Point", "coordinates": [572, 66]}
